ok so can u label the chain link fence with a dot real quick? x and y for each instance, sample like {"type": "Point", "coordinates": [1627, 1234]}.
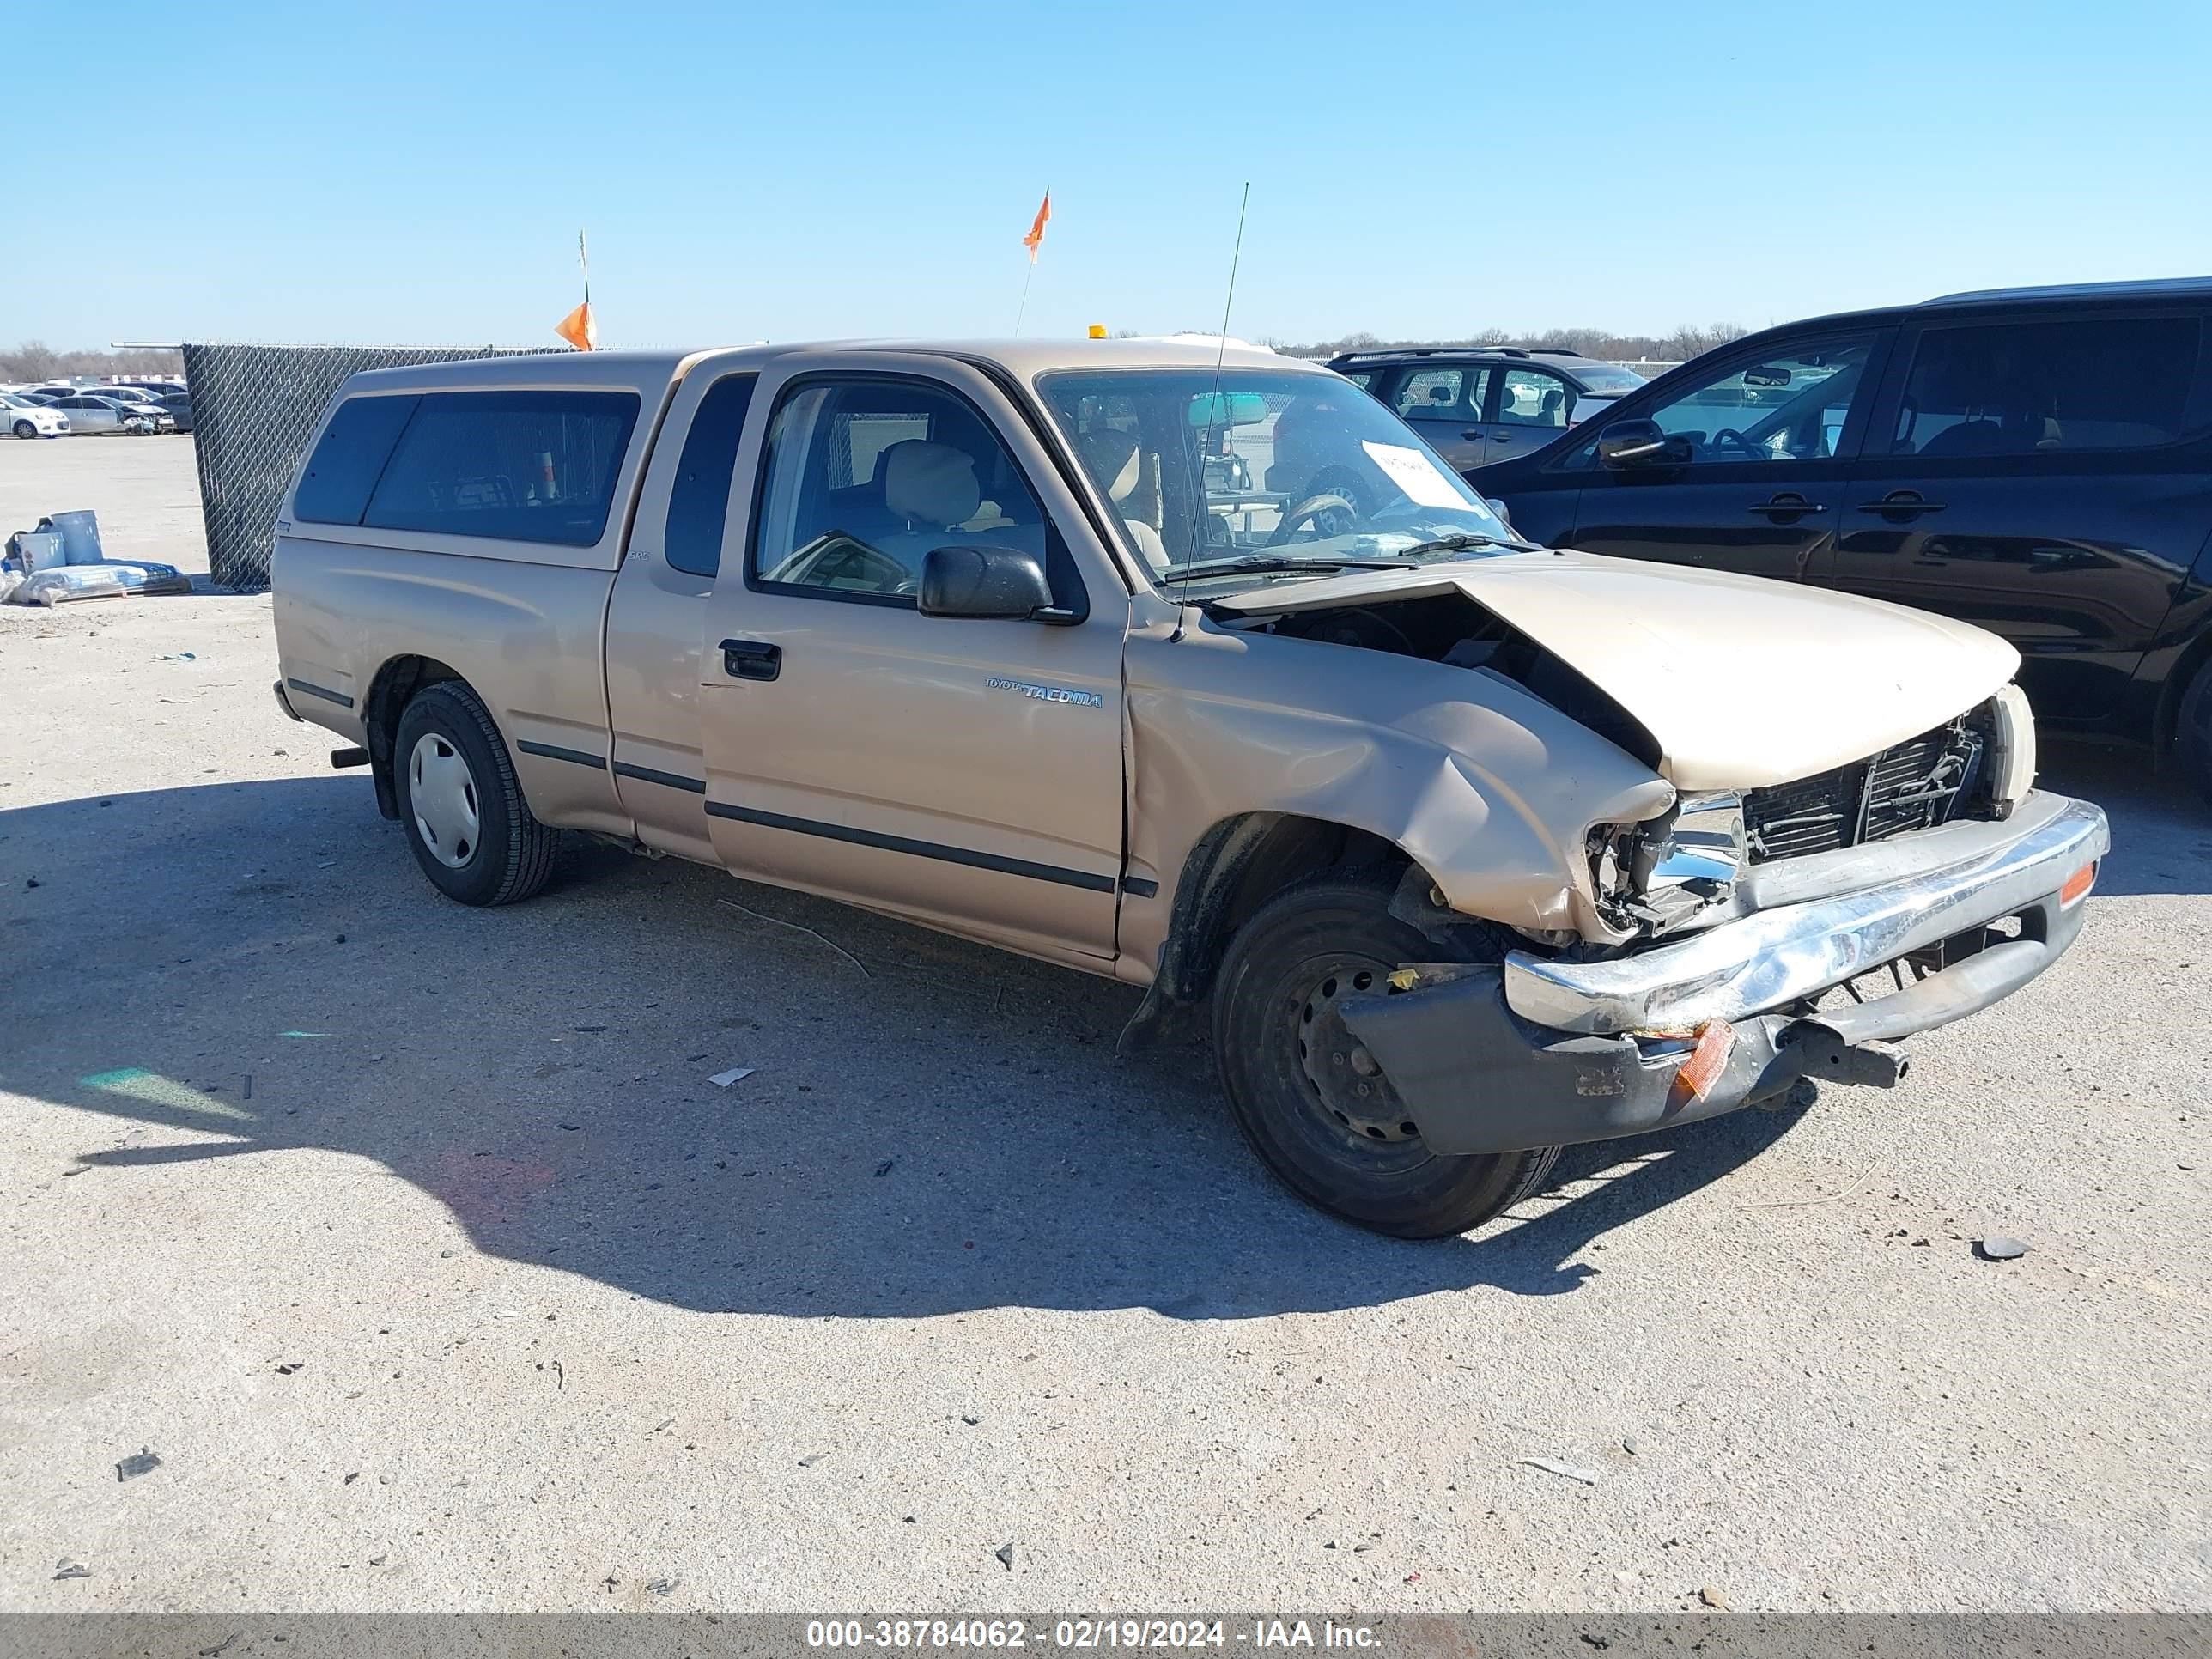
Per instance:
{"type": "Point", "coordinates": [254, 407]}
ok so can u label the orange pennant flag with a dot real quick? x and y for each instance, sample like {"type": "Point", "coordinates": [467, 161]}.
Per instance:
{"type": "Point", "coordinates": [578, 328]}
{"type": "Point", "coordinates": [1037, 227]}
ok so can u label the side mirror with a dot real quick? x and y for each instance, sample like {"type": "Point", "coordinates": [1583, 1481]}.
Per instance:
{"type": "Point", "coordinates": [1001, 584]}
{"type": "Point", "coordinates": [1499, 507]}
{"type": "Point", "coordinates": [1641, 443]}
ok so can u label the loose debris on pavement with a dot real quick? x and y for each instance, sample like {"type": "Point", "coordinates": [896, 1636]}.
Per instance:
{"type": "Point", "coordinates": [1552, 1465]}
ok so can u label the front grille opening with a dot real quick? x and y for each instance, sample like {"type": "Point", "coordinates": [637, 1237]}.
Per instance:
{"type": "Point", "coordinates": [1926, 781]}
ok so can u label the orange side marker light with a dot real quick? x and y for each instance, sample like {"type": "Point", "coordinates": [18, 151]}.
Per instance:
{"type": "Point", "coordinates": [1703, 1069]}
{"type": "Point", "coordinates": [2077, 887]}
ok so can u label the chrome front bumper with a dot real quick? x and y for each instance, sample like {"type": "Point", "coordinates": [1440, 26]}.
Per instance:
{"type": "Point", "coordinates": [1775, 957]}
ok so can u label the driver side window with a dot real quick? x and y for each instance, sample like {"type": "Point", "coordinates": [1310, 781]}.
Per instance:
{"type": "Point", "coordinates": [1789, 404]}
{"type": "Point", "coordinates": [863, 477]}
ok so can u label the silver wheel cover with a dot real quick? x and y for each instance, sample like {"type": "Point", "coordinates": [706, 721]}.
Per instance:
{"type": "Point", "coordinates": [442, 791]}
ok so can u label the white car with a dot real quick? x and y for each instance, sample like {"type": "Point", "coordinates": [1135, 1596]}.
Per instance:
{"type": "Point", "coordinates": [26, 419]}
{"type": "Point", "coordinates": [92, 412]}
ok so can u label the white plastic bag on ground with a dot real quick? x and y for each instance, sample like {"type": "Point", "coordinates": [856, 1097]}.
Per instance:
{"type": "Point", "coordinates": [72, 581]}
{"type": "Point", "coordinates": [112, 578]}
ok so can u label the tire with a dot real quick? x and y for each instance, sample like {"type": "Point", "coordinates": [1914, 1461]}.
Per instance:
{"type": "Point", "coordinates": [2192, 733]}
{"type": "Point", "coordinates": [473, 832]}
{"type": "Point", "coordinates": [1339, 1152]}
{"type": "Point", "coordinates": [25, 429]}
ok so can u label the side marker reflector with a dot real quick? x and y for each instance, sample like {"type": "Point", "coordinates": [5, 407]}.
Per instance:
{"type": "Point", "coordinates": [2077, 886]}
{"type": "Point", "coordinates": [1703, 1069]}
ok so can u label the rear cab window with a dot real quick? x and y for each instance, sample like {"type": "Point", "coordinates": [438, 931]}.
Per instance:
{"type": "Point", "coordinates": [335, 485]}
{"type": "Point", "coordinates": [525, 465]}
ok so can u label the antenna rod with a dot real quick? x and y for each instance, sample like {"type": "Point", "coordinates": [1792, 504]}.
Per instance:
{"type": "Point", "coordinates": [1221, 350]}
{"type": "Point", "coordinates": [1234, 255]}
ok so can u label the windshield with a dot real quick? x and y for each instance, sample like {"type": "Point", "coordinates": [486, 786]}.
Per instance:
{"type": "Point", "coordinates": [1251, 468]}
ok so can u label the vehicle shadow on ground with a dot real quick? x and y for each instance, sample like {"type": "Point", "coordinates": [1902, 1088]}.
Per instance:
{"type": "Point", "coordinates": [930, 1127]}
{"type": "Point", "coordinates": [2161, 826]}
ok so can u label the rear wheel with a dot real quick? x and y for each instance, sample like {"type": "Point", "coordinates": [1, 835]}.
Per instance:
{"type": "Point", "coordinates": [1309, 1097]}
{"type": "Point", "coordinates": [473, 832]}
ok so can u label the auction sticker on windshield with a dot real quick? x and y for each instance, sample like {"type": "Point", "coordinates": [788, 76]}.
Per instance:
{"type": "Point", "coordinates": [1425, 483]}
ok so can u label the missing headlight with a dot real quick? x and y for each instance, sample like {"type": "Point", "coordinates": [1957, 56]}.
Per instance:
{"type": "Point", "coordinates": [1658, 874]}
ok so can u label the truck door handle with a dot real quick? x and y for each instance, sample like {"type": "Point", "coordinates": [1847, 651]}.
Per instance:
{"type": "Point", "coordinates": [752, 659]}
{"type": "Point", "coordinates": [1903, 502]}
{"type": "Point", "coordinates": [1786, 505]}
{"type": "Point", "coordinates": [1501, 437]}
{"type": "Point", "coordinates": [1471, 432]}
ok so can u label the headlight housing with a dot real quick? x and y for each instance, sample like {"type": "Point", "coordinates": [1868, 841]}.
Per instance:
{"type": "Point", "coordinates": [2015, 741]}
{"type": "Point", "coordinates": [1660, 873]}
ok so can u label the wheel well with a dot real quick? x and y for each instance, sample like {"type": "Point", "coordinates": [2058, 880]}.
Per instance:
{"type": "Point", "coordinates": [395, 683]}
{"type": "Point", "coordinates": [1237, 867]}
{"type": "Point", "coordinates": [2164, 727]}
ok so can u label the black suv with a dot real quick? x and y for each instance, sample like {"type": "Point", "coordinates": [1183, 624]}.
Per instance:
{"type": "Point", "coordinates": [1478, 404]}
{"type": "Point", "coordinates": [2037, 461]}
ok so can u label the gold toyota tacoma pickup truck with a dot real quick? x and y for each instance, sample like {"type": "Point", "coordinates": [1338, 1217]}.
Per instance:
{"type": "Point", "coordinates": [1190, 665]}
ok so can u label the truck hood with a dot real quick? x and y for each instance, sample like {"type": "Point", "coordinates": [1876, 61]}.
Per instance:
{"type": "Point", "coordinates": [1742, 681]}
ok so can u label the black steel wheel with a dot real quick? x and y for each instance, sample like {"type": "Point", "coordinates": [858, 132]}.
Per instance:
{"type": "Point", "coordinates": [1310, 1099]}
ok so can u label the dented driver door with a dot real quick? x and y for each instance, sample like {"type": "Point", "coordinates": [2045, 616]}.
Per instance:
{"type": "Point", "coordinates": [964, 772]}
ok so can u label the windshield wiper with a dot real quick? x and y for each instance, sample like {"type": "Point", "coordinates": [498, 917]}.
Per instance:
{"type": "Point", "coordinates": [1261, 563]}
{"type": "Point", "coordinates": [1466, 540]}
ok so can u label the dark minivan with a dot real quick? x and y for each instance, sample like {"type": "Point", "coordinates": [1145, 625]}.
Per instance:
{"type": "Point", "coordinates": [2036, 461]}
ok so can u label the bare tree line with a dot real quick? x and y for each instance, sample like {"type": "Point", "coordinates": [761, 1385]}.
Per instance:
{"type": "Point", "coordinates": [1678, 346]}
{"type": "Point", "coordinates": [34, 359]}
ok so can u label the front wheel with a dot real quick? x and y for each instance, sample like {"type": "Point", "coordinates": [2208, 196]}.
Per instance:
{"type": "Point", "coordinates": [25, 429]}
{"type": "Point", "coordinates": [473, 832]}
{"type": "Point", "coordinates": [1308, 1096]}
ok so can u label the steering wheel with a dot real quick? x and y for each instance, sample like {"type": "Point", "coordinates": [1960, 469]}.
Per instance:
{"type": "Point", "coordinates": [1729, 438]}
{"type": "Point", "coordinates": [1312, 508]}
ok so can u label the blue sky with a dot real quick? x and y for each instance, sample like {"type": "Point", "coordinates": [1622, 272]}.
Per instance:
{"type": "Point", "coordinates": [321, 170]}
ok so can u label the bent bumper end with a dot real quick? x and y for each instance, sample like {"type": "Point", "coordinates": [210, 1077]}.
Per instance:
{"type": "Point", "coordinates": [1476, 1076]}
{"type": "Point", "coordinates": [1776, 956]}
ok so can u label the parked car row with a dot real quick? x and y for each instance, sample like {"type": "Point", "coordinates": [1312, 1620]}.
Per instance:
{"type": "Point", "coordinates": [1488, 403]}
{"type": "Point", "coordinates": [2035, 461]}
{"type": "Point", "coordinates": [27, 417]}
{"type": "Point", "coordinates": [136, 410]}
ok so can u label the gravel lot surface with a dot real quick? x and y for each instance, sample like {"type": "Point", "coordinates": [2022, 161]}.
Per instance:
{"type": "Point", "coordinates": [358, 1251]}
